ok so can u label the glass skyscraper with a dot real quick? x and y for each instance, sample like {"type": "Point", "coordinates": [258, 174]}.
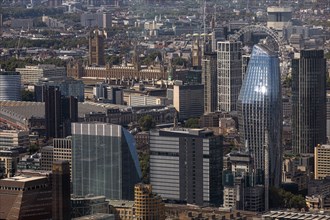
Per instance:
{"type": "Point", "coordinates": [104, 161]}
{"type": "Point", "coordinates": [260, 114]}
{"type": "Point", "coordinates": [308, 101]}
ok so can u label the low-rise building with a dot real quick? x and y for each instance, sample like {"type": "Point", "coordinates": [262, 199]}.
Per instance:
{"type": "Point", "coordinates": [31, 74]}
{"type": "Point", "coordinates": [88, 205]}
{"type": "Point", "coordinates": [13, 138]}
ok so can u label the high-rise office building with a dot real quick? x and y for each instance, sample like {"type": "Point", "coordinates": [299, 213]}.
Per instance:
{"type": "Point", "coordinates": [59, 113]}
{"type": "Point", "coordinates": [188, 100]}
{"type": "Point", "coordinates": [104, 161]}
{"type": "Point", "coordinates": [209, 80]}
{"type": "Point", "coordinates": [229, 67]}
{"type": "Point", "coordinates": [147, 205]}
{"type": "Point", "coordinates": [96, 48]}
{"type": "Point", "coordinates": [186, 165]}
{"type": "Point", "coordinates": [260, 115]}
{"type": "Point", "coordinates": [62, 150]}
{"type": "Point", "coordinates": [328, 115]}
{"type": "Point", "coordinates": [61, 190]}
{"type": "Point", "coordinates": [308, 101]}
{"type": "Point", "coordinates": [10, 86]}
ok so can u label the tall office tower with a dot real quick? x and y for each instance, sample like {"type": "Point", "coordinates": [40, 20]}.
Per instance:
{"type": "Point", "coordinates": [328, 116]}
{"type": "Point", "coordinates": [188, 100]}
{"type": "Point", "coordinates": [104, 161]}
{"type": "Point", "coordinates": [186, 165]}
{"type": "Point", "coordinates": [209, 80]}
{"type": "Point", "coordinates": [260, 114]}
{"type": "Point", "coordinates": [52, 112]}
{"type": "Point", "coordinates": [10, 86]}
{"type": "Point", "coordinates": [147, 205]}
{"type": "Point", "coordinates": [229, 74]}
{"type": "Point", "coordinates": [96, 48]}
{"type": "Point", "coordinates": [62, 150]}
{"type": "Point", "coordinates": [61, 190]}
{"type": "Point", "coordinates": [26, 197]}
{"type": "Point", "coordinates": [59, 113]}
{"type": "Point", "coordinates": [308, 101]}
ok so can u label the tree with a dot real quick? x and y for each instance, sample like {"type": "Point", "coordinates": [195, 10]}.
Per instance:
{"type": "Point", "coordinates": [114, 60]}
{"type": "Point", "coordinates": [284, 199]}
{"type": "Point", "coordinates": [179, 61]}
{"type": "Point", "coordinates": [144, 162]}
{"type": "Point", "coordinates": [147, 122]}
{"type": "Point", "coordinates": [192, 123]}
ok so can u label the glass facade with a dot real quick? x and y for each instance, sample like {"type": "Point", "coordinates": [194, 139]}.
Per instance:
{"type": "Point", "coordinates": [308, 101]}
{"type": "Point", "coordinates": [260, 111]}
{"type": "Point", "coordinates": [104, 161]}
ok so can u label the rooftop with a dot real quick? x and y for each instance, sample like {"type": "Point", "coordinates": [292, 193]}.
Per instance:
{"type": "Point", "coordinates": [24, 178]}
{"type": "Point", "coordinates": [121, 203]}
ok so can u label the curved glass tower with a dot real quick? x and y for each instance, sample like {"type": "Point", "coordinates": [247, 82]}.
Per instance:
{"type": "Point", "coordinates": [260, 114]}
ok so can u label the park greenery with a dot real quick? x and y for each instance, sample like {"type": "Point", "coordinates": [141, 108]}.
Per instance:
{"type": "Point", "coordinates": [67, 42]}
{"type": "Point", "coordinates": [20, 12]}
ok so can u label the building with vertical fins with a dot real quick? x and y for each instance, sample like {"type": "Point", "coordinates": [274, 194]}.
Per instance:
{"type": "Point", "coordinates": [209, 80]}
{"type": "Point", "coordinates": [260, 114]}
{"type": "Point", "coordinates": [59, 113]}
{"type": "Point", "coordinates": [96, 48]}
{"type": "Point", "coordinates": [61, 209]}
{"type": "Point", "coordinates": [104, 161]}
{"type": "Point", "coordinates": [308, 101]}
{"type": "Point", "coordinates": [229, 65]}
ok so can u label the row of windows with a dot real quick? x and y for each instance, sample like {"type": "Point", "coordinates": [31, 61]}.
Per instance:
{"type": "Point", "coordinates": [24, 188]}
